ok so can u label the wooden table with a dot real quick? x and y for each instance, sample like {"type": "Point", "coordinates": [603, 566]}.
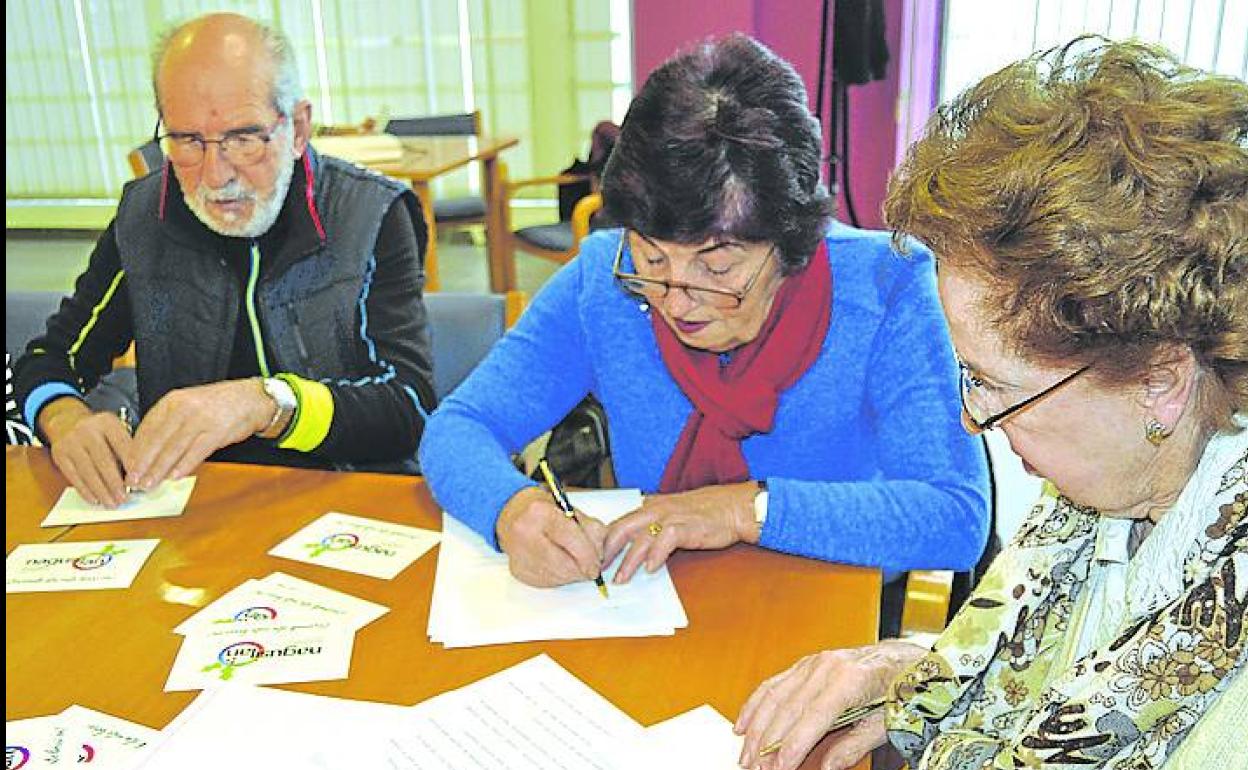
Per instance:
{"type": "Point", "coordinates": [751, 612]}
{"type": "Point", "coordinates": [424, 158]}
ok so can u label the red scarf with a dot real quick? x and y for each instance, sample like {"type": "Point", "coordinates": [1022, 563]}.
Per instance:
{"type": "Point", "coordinates": [733, 402]}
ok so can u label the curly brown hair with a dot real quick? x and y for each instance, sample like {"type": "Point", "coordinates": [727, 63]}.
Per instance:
{"type": "Point", "coordinates": [1100, 191]}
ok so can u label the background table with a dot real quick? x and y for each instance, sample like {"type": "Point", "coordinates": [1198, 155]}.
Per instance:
{"type": "Point", "coordinates": [423, 159]}
{"type": "Point", "coordinates": [751, 612]}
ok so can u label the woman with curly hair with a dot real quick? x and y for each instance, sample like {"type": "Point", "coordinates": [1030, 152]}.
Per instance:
{"type": "Point", "coordinates": [1088, 208]}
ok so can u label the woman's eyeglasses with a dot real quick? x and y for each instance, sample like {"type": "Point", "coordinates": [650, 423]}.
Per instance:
{"type": "Point", "coordinates": [977, 414]}
{"type": "Point", "coordinates": [654, 289]}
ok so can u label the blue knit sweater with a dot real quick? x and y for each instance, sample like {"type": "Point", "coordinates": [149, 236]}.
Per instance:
{"type": "Point", "coordinates": [867, 462]}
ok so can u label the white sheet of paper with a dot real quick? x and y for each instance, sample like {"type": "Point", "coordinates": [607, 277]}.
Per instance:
{"type": "Point", "coordinates": [167, 499]}
{"type": "Point", "coordinates": [75, 566]}
{"type": "Point", "coordinates": [237, 725]}
{"type": "Point", "coordinates": [262, 655]}
{"type": "Point", "coordinates": [476, 600]}
{"type": "Point", "coordinates": [370, 547]}
{"type": "Point", "coordinates": [108, 742]}
{"type": "Point", "coordinates": [533, 716]}
{"type": "Point", "coordinates": [273, 601]}
{"type": "Point", "coordinates": [378, 148]}
{"type": "Point", "coordinates": [699, 739]}
{"type": "Point", "coordinates": [33, 744]}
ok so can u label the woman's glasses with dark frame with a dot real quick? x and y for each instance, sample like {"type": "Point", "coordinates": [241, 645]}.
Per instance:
{"type": "Point", "coordinates": [657, 288]}
{"type": "Point", "coordinates": [967, 385]}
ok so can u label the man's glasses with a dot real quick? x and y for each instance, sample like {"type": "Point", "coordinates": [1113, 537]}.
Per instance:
{"type": "Point", "coordinates": [977, 406]}
{"type": "Point", "coordinates": [654, 289]}
{"type": "Point", "coordinates": [241, 146]}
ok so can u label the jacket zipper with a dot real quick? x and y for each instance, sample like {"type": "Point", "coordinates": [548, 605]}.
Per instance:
{"type": "Point", "coordinates": [251, 310]}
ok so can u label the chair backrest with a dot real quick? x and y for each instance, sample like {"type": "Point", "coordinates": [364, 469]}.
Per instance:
{"type": "Point", "coordinates": [464, 124]}
{"type": "Point", "coordinates": [25, 317]}
{"type": "Point", "coordinates": [146, 158]}
{"type": "Point", "coordinates": [463, 328]}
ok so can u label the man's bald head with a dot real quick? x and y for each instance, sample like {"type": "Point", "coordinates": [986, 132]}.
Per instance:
{"type": "Point", "coordinates": [230, 46]}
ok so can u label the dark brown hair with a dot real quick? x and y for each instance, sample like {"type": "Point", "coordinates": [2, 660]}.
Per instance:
{"type": "Point", "coordinates": [720, 142]}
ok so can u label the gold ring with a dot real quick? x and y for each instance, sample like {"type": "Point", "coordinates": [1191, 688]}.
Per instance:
{"type": "Point", "coordinates": [655, 529]}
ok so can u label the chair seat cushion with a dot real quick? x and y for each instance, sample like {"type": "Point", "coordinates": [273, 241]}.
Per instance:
{"type": "Point", "coordinates": [455, 209]}
{"type": "Point", "coordinates": [554, 237]}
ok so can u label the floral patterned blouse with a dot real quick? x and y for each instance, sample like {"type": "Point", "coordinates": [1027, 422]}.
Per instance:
{"type": "Point", "coordinates": [1013, 681]}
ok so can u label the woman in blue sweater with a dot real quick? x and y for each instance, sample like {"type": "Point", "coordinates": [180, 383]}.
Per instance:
{"type": "Point", "coordinates": [769, 376]}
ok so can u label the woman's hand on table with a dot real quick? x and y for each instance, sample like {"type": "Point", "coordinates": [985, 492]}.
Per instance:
{"type": "Point", "coordinates": [797, 707]}
{"type": "Point", "coordinates": [706, 518]}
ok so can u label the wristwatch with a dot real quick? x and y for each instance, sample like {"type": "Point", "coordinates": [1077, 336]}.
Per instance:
{"type": "Point", "coordinates": [760, 504]}
{"type": "Point", "coordinates": [285, 402]}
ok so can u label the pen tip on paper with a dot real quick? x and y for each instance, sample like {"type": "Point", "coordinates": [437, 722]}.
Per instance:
{"type": "Point", "coordinates": [602, 587]}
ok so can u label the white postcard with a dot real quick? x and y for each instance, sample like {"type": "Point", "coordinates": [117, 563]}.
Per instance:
{"type": "Point", "coordinates": [75, 566]}
{"type": "Point", "coordinates": [370, 547]}
{"type": "Point", "coordinates": [106, 741]}
{"type": "Point", "coordinates": [281, 598]}
{"type": "Point", "coordinates": [272, 654]}
{"type": "Point", "coordinates": [32, 744]}
{"type": "Point", "coordinates": [166, 499]}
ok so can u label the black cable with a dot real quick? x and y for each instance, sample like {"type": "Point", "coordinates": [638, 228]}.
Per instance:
{"type": "Point", "coordinates": [844, 116]}
{"type": "Point", "coordinates": [820, 84]}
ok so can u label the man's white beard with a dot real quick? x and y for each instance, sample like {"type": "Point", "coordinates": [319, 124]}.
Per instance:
{"type": "Point", "coordinates": [264, 212]}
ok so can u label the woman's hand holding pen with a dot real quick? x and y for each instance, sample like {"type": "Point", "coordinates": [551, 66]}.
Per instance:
{"type": "Point", "coordinates": [797, 707]}
{"type": "Point", "coordinates": [544, 547]}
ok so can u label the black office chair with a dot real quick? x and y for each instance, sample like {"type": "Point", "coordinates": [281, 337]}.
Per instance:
{"type": "Point", "coordinates": [25, 317]}
{"type": "Point", "coordinates": [450, 212]}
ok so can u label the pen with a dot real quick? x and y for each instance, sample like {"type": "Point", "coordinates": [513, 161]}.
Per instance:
{"type": "Point", "coordinates": [123, 414]}
{"type": "Point", "coordinates": [556, 490]}
{"type": "Point", "coordinates": [847, 718]}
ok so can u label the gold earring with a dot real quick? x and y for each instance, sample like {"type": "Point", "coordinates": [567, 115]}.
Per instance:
{"type": "Point", "coordinates": [1156, 433]}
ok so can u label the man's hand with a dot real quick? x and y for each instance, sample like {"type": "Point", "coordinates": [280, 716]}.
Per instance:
{"type": "Point", "coordinates": [188, 425]}
{"type": "Point", "coordinates": [710, 517]}
{"type": "Point", "coordinates": [92, 449]}
{"type": "Point", "coordinates": [544, 547]}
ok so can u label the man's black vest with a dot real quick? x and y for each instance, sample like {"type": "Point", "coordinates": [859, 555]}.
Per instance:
{"type": "Point", "coordinates": [185, 298]}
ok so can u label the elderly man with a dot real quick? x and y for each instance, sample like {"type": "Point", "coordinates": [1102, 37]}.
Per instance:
{"type": "Point", "coordinates": [273, 295]}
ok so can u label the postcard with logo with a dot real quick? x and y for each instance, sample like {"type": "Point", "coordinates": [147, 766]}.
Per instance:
{"type": "Point", "coordinates": [366, 546]}
{"type": "Point", "coordinates": [75, 566]}
{"type": "Point", "coordinates": [36, 743]}
{"type": "Point", "coordinates": [274, 654]}
{"type": "Point", "coordinates": [167, 499]}
{"type": "Point", "coordinates": [106, 741]}
{"type": "Point", "coordinates": [268, 601]}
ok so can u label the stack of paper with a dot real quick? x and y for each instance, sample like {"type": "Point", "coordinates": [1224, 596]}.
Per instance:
{"type": "Point", "coordinates": [83, 566]}
{"type": "Point", "coordinates": [533, 716]}
{"type": "Point", "coordinates": [278, 629]}
{"type": "Point", "coordinates": [476, 601]}
{"type": "Point", "coordinates": [76, 736]}
{"type": "Point", "coordinates": [372, 148]}
{"type": "Point", "coordinates": [236, 725]}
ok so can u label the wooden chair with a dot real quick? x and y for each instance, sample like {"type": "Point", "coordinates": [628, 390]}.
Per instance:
{"type": "Point", "coordinates": [447, 212]}
{"type": "Point", "coordinates": [146, 158]}
{"type": "Point", "coordinates": [557, 241]}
